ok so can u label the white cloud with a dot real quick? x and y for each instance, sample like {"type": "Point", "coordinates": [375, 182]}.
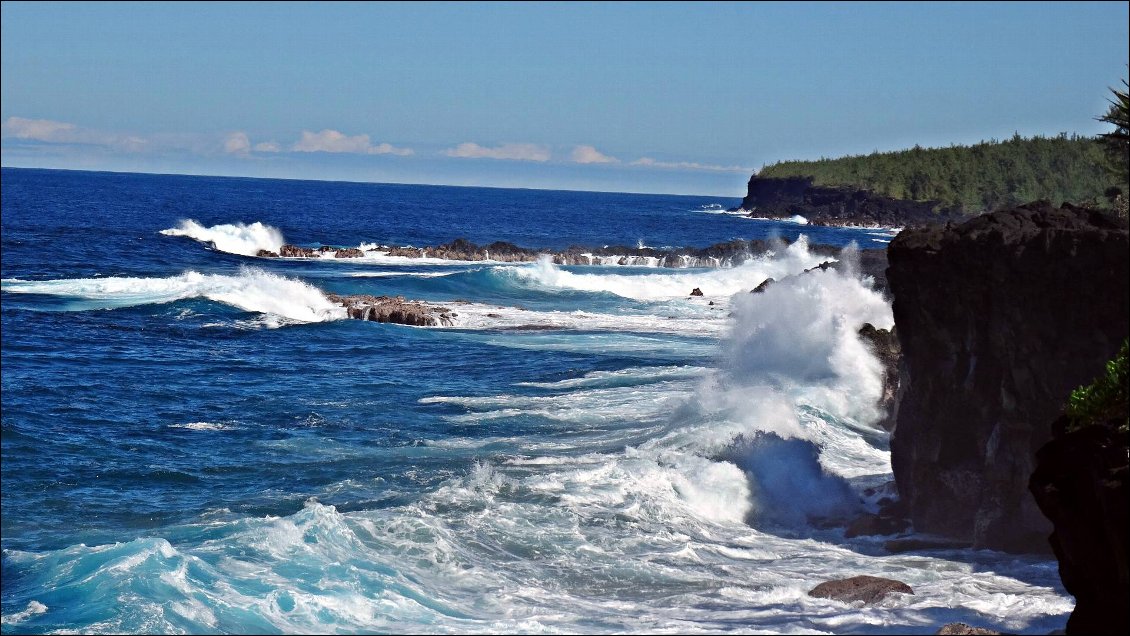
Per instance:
{"type": "Point", "coordinates": [59, 132]}
{"type": "Point", "coordinates": [389, 149]}
{"type": "Point", "coordinates": [237, 143]}
{"type": "Point", "coordinates": [268, 146]}
{"type": "Point", "coordinates": [589, 154]}
{"type": "Point", "coordinates": [37, 129]}
{"type": "Point", "coordinates": [334, 141]}
{"type": "Point", "coordinates": [517, 152]}
{"type": "Point", "coordinates": [687, 165]}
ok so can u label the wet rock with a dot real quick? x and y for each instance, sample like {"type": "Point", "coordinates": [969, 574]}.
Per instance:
{"type": "Point", "coordinates": [868, 589]}
{"type": "Point", "coordinates": [871, 525]}
{"type": "Point", "coordinates": [266, 254]}
{"type": "Point", "coordinates": [352, 252]}
{"type": "Point", "coordinates": [394, 309]}
{"type": "Point", "coordinates": [293, 251]}
{"type": "Point", "coordinates": [962, 629]}
{"type": "Point", "coordinates": [885, 345]}
{"type": "Point", "coordinates": [763, 286]}
{"type": "Point", "coordinates": [999, 318]}
{"type": "Point", "coordinates": [696, 292]}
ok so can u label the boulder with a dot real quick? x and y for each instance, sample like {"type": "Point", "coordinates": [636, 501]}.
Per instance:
{"type": "Point", "coordinates": [696, 292]}
{"type": "Point", "coordinates": [351, 252]}
{"type": "Point", "coordinates": [999, 318]}
{"type": "Point", "coordinates": [962, 629]}
{"type": "Point", "coordinates": [266, 254]}
{"type": "Point", "coordinates": [394, 309]}
{"type": "Point", "coordinates": [868, 589]}
{"type": "Point", "coordinates": [293, 251]}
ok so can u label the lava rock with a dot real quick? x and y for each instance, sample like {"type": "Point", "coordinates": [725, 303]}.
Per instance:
{"type": "Point", "coordinates": [999, 318]}
{"type": "Point", "coordinates": [868, 589]}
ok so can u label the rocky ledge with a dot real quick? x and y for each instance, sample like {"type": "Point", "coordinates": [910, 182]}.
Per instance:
{"type": "Point", "coordinates": [394, 309]}
{"type": "Point", "coordinates": [842, 206]}
{"type": "Point", "coordinates": [730, 253]}
{"type": "Point", "coordinates": [999, 318]}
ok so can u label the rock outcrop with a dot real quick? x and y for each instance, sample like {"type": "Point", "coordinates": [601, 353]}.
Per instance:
{"type": "Point", "coordinates": [1081, 485]}
{"type": "Point", "coordinates": [729, 253]}
{"type": "Point", "coordinates": [868, 589]}
{"type": "Point", "coordinates": [394, 309]}
{"type": "Point", "coordinates": [822, 205]}
{"type": "Point", "coordinates": [999, 318]}
{"type": "Point", "coordinates": [963, 629]}
{"type": "Point", "coordinates": [885, 345]}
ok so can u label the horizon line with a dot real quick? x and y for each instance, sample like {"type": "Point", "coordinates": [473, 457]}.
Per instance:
{"type": "Point", "coordinates": [392, 183]}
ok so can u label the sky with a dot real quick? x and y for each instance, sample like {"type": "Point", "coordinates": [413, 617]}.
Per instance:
{"type": "Point", "coordinates": [627, 97]}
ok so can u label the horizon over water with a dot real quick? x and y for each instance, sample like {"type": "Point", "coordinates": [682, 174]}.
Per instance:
{"type": "Point", "coordinates": [196, 440]}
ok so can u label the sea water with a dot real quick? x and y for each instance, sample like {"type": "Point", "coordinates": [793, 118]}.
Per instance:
{"type": "Point", "coordinates": [197, 440]}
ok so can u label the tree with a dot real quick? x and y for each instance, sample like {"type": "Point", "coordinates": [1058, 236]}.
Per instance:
{"type": "Point", "coordinates": [1117, 142]}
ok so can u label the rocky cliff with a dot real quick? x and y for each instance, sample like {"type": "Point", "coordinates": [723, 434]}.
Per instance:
{"type": "Point", "coordinates": [822, 205]}
{"type": "Point", "coordinates": [1080, 483]}
{"type": "Point", "coordinates": [999, 318]}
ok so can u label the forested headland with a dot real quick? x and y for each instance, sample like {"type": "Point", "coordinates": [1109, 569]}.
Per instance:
{"type": "Point", "coordinates": [976, 178]}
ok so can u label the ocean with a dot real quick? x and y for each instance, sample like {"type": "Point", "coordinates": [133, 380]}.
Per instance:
{"type": "Point", "coordinates": [195, 440]}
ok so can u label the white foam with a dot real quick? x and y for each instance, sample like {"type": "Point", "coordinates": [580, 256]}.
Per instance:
{"type": "Point", "coordinates": [251, 290]}
{"type": "Point", "coordinates": [234, 238]}
{"type": "Point", "coordinates": [34, 608]}
{"type": "Point", "coordinates": [714, 284]}
{"type": "Point", "coordinates": [479, 316]}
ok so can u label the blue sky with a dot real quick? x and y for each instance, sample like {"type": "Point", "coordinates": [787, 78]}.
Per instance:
{"type": "Point", "coordinates": [666, 97]}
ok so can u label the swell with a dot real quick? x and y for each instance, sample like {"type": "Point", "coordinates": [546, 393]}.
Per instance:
{"type": "Point", "coordinates": [252, 290]}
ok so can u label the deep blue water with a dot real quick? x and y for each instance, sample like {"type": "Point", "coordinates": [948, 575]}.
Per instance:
{"type": "Point", "coordinates": [189, 445]}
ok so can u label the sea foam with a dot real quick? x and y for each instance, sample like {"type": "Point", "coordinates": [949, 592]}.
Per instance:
{"type": "Point", "coordinates": [233, 238]}
{"type": "Point", "coordinates": [251, 290]}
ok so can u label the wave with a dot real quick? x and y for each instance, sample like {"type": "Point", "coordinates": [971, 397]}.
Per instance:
{"type": "Point", "coordinates": [251, 290]}
{"type": "Point", "coordinates": [714, 284]}
{"type": "Point", "coordinates": [475, 316]}
{"type": "Point", "coordinates": [233, 238]}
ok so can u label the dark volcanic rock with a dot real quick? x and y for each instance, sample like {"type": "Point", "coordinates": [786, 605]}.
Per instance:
{"type": "Point", "coordinates": [266, 254]}
{"type": "Point", "coordinates": [869, 589]}
{"type": "Point", "coordinates": [885, 345]}
{"type": "Point", "coordinates": [351, 252]}
{"type": "Point", "coordinates": [763, 286]}
{"type": "Point", "coordinates": [999, 318]}
{"type": "Point", "coordinates": [962, 629]}
{"type": "Point", "coordinates": [786, 197]}
{"type": "Point", "coordinates": [872, 525]}
{"type": "Point", "coordinates": [696, 292]}
{"type": "Point", "coordinates": [1080, 484]}
{"type": "Point", "coordinates": [293, 251]}
{"type": "Point", "coordinates": [395, 309]}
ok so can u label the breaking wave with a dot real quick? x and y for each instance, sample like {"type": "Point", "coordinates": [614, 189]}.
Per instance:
{"type": "Point", "coordinates": [233, 238]}
{"type": "Point", "coordinates": [251, 290]}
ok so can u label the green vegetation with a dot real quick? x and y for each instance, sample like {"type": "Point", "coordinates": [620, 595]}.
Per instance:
{"type": "Point", "coordinates": [1117, 143]}
{"type": "Point", "coordinates": [977, 178]}
{"type": "Point", "coordinates": [1104, 401]}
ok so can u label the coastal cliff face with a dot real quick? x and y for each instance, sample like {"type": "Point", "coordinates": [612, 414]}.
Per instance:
{"type": "Point", "coordinates": [787, 197]}
{"type": "Point", "coordinates": [999, 318]}
{"type": "Point", "coordinates": [1081, 485]}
